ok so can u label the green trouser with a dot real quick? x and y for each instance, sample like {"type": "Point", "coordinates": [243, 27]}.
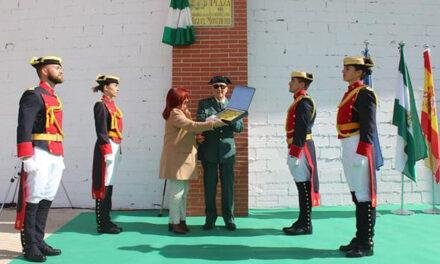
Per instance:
{"type": "Point", "coordinates": [210, 178]}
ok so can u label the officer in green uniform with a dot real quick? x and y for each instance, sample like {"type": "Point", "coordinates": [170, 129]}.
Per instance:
{"type": "Point", "coordinates": [217, 154]}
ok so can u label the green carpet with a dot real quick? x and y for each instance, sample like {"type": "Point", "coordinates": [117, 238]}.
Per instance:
{"type": "Point", "coordinates": [258, 239]}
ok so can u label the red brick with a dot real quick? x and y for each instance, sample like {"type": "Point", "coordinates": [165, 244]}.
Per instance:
{"type": "Point", "coordinates": [217, 51]}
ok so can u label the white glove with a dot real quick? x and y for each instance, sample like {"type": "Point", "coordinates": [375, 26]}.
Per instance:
{"type": "Point", "coordinates": [29, 165]}
{"type": "Point", "coordinates": [108, 159]}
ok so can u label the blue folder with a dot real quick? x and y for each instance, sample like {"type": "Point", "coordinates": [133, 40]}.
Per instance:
{"type": "Point", "coordinates": [238, 105]}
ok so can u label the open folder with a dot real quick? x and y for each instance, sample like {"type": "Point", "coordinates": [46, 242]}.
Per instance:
{"type": "Point", "coordinates": [238, 105]}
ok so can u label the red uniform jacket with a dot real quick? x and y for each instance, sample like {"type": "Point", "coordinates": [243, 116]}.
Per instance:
{"type": "Point", "coordinates": [299, 122]}
{"type": "Point", "coordinates": [357, 115]}
{"type": "Point", "coordinates": [40, 123]}
{"type": "Point", "coordinates": [109, 125]}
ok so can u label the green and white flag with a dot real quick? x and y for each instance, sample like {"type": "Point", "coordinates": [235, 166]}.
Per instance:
{"type": "Point", "coordinates": [179, 29]}
{"type": "Point", "coordinates": [410, 142]}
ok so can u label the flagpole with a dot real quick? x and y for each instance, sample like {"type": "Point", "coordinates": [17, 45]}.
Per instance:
{"type": "Point", "coordinates": [366, 54]}
{"type": "Point", "coordinates": [402, 211]}
{"type": "Point", "coordinates": [433, 210]}
{"type": "Point", "coordinates": [366, 43]}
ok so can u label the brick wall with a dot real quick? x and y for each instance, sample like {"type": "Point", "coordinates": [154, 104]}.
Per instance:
{"type": "Point", "coordinates": [315, 36]}
{"type": "Point", "coordinates": [217, 51]}
{"type": "Point", "coordinates": [122, 37]}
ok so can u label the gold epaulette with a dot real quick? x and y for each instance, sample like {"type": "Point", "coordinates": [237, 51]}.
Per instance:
{"type": "Point", "coordinates": [31, 88]}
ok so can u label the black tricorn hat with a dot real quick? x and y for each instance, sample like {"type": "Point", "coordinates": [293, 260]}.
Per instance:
{"type": "Point", "coordinates": [107, 79]}
{"type": "Point", "coordinates": [45, 60]}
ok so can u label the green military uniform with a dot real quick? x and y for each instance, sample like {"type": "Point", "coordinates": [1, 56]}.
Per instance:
{"type": "Point", "coordinates": [217, 154]}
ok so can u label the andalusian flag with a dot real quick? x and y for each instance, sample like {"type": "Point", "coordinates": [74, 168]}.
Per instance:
{"type": "Point", "coordinates": [179, 30]}
{"type": "Point", "coordinates": [429, 119]}
{"type": "Point", "coordinates": [410, 143]}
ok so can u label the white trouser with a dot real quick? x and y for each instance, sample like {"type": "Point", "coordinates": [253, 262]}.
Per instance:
{"type": "Point", "coordinates": [299, 167]}
{"type": "Point", "coordinates": [356, 169]}
{"type": "Point", "coordinates": [178, 194]}
{"type": "Point", "coordinates": [111, 170]}
{"type": "Point", "coordinates": [43, 183]}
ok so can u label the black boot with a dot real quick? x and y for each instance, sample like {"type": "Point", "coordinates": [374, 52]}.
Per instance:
{"type": "Point", "coordinates": [98, 214]}
{"type": "Point", "coordinates": [303, 226]}
{"type": "Point", "coordinates": [108, 206]}
{"type": "Point", "coordinates": [29, 235]}
{"type": "Point", "coordinates": [288, 229]}
{"type": "Point", "coordinates": [355, 240]}
{"type": "Point", "coordinates": [42, 213]}
{"type": "Point", "coordinates": [102, 210]}
{"type": "Point", "coordinates": [367, 221]}
{"type": "Point", "coordinates": [103, 226]}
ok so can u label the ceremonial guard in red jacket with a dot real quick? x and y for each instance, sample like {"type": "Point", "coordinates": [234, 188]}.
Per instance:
{"type": "Point", "coordinates": [40, 146]}
{"type": "Point", "coordinates": [356, 125]}
{"type": "Point", "coordinates": [107, 153]}
{"type": "Point", "coordinates": [301, 157]}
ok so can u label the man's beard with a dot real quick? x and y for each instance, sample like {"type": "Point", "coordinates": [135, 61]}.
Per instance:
{"type": "Point", "coordinates": [55, 79]}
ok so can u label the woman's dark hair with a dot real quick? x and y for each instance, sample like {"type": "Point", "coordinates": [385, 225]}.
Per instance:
{"type": "Point", "coordinates": [365, 70]}
{"type": "Point", "coordinates": [175, 98]}
{"type": "Point", "coordinates": [305, 81]}
{"type": "Point", "coordinates": [99, 87]}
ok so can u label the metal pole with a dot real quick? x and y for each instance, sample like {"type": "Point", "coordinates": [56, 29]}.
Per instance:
{"type": "Point", "coordinates": [15, 193]}
{"type": "Point", "coordinates": [67, 195]}
{"type": "Point", "coordinates": [401, 194]}
{"type": "Point", "coordinates": [12, 180]}
{"type": "Point", "coordinates": [163, 197]}
{"type": "Point", "coordinates": [366, 43]}
{"type": "Point", "coordinates": [433, 210]}
{"type": "Point", "coordinates": [402, 211]}
{"type": "Point", "coordinates": [6, 197]}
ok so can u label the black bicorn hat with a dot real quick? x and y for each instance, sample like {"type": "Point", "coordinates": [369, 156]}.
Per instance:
{"type": "Point", "coordinates": [220, 79]}
{"type": "Point", "coordinates": [107, 79]}
{"type": "Point", "coordinates": [45, 60]}
{"type": "Point", "coordinates": [302, 75]}
{"type": "Point", "coordinates": [366, 62]}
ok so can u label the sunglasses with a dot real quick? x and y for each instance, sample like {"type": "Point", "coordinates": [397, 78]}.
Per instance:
{"type": "Point", "coordinates": [216, 86]}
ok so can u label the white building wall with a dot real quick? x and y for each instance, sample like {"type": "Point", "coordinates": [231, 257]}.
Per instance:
{"type": "Point", "coordinates": [122, 37]}
{"type": "Point", "coordinates": [315, 35]}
